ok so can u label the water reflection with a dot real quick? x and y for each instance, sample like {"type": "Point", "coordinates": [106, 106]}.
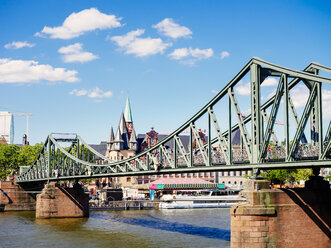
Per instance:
{"type": "Point", "coordinates": [153, 222]}
{"type": "Point", "coordinates": [133, 228]}
{"type": "Point", "coordinates": [63, 224]}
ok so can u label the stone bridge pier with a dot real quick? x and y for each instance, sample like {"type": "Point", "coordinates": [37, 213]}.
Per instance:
{"type": "Point", "coordinates": [283, 218]}
{"type": "Point", "coordinates": [60, 202]}
{"type": "Point", "coordinates": [14, 197]}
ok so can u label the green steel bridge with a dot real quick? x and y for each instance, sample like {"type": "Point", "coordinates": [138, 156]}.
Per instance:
{"type": "Point", "coordinates": [217, 153]}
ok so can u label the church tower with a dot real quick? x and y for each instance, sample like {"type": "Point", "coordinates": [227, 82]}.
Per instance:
{"type": "Point", "coordinates": [118, 142]}
{"type": "Point", "coordinates": [133, 144]}
{"type": "Point", "coordinates": [128, 117]}
{"type": "Point", "coordinates": [124, 144]}
{"type": "Point", "coordinates": [111, 139]}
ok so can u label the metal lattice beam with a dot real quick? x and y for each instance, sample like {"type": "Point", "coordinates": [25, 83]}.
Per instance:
{"type": "Point", "coordinates": [81, 161]}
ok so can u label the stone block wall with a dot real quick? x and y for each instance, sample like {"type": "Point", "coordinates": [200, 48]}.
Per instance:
{"type": "Point", "coordinates": [59, 202]}
{"type": "Point", "coordinates": [281, 218]}
{"type": "Point", "coordinates": [14, 198]}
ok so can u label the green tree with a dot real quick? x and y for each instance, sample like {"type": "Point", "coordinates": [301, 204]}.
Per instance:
{"type": "Point", "coordinates": [8, 159]}
{"type": "Point", "coordinates": [27, 154]}
{"type": "Point", "coordinates": [302, 174]}
{"type": "Point", "coordinates": [328, 176]}
{"type": "Point", "coordinates": [13, 156]}
{"type": "Point", "coordinates": [279, 176]}
{"type": "Point", "coordinates": [287, 175]}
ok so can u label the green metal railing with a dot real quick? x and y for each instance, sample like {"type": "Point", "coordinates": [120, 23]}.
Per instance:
{"type": "Point", "coordinates": [217, 152]}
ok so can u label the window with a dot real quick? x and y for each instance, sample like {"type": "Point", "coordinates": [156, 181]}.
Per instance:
{"type": "Point", "coordinates": [128, 179]}
{"type": "Point", "coordinates": [229, 182]}
{"type": "Point", "coordinates": [235, 182]}
{"type": "Point", "coordinates": [122, 157]}
{"type": "Point", "coordinates": [241, 183]}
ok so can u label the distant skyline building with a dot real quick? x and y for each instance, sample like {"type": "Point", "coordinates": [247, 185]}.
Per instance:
{"type": "Point", "coordinates": [7, 127]}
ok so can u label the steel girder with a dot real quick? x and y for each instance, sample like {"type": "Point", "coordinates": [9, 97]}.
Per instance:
{"type": "Point", "coordinates": [218, 153]}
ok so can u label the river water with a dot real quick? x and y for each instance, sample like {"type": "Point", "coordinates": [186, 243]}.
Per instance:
{"type": "Point", "coordinates": [131, 228]}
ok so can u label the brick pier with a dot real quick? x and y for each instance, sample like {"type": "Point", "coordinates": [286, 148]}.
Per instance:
{"type": "Point", "coordinates": [15, 198]}
{"type": "Point", "coordinates": [60, 202]}
{"type": "Point", "coordinates": [282, 217]}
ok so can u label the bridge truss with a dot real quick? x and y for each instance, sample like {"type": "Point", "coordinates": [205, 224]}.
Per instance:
{"type": "Point", "coordinates": [217, 153]}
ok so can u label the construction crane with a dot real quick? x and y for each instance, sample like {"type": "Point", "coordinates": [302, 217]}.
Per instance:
{"type": "Point", "coordinates": [27, 123]}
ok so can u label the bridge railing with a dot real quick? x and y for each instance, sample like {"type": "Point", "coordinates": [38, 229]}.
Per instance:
{"type": "Point", "coordinates": [214, 150]}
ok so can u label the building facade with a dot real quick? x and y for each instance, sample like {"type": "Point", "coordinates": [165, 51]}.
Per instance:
{"type": "Point", "coordinates": [7, 127]}
{"type": "Point", "coordinates": [123, 145]}
{"type": "Point", "coordinates": [126, 144]}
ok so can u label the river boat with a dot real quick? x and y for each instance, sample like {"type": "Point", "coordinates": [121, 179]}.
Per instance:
{"type": "Point", "coordinates": [205, 199]}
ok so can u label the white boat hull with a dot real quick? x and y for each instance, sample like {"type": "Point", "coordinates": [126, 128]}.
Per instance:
{"type": "Point", "coordinates": [199, 201]}
{"type": "Point", "coordinates": [187, 204]}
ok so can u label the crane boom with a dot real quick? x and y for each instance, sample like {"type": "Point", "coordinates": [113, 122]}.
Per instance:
{"type": "Point", "coordinates": [22, 114]}
{"type": "Point", "coordinates": [27, 122]}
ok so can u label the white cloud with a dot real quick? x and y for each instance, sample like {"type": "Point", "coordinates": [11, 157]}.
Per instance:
{"type": "Point", "coordinates": [95, 93]}
{"type": "Point", "coordinates": [201, 53]}
{"type": "Point", "coordinates": [78, 92]}
{"type": "Point", "coordinates": [271, 94]}
{"type": "Point", "coordinates": [214, 91]}
{"type": "Point", "coordinates": [75, 53]}
{"type": "Point", "coordinates": [125, 40]}
{"type": "Point", "coordinates": [224, 54]}
{"type": "Point", "coordinates": [300, 96]}
{"type": "Point", "coordinates": [243, 89]}
{"type": "Point", "coordinates": [79, 23]}
{"type": "Point", "coordinates": [167, 27]}
{"type": "Point", "coordinates": [192, 55]}
{"type": "Point", "coordinates": [18, 45]}
{"type": "Point", "coordinates": [269, 82]}
{"type": "Point", "coordinates": [179, 53]}
{"type": "Point", "coordinates": [26, 71]}
{"type": "Point", "coordinates": [246, 112]}
{"type": "Point", "coordinates": [140, 47]}
{"type": "Point", "coordinates": [326, 104]}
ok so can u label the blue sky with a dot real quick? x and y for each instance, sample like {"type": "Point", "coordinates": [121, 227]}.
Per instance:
{"type": "Point", "coordinates": [73, 63]}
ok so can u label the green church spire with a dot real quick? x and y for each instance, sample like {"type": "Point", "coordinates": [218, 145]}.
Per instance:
{"type": "Point", "coordinates": [127, 112]}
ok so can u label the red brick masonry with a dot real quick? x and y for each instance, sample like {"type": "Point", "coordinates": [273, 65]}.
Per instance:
{"type": "Point", "coordinates": [15, 198]}
{"type": "Point", "coordinates": [295, 218]}
{"type": "Point", "coordinates": [59, 202]}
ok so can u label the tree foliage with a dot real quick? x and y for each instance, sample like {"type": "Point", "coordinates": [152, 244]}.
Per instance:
{"type": "Point", "coordinates": [287, 175]}
{"type": "Point", "coordinates": [328, 176]}
{"type": "Point", "coordinates": [13, 156]}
